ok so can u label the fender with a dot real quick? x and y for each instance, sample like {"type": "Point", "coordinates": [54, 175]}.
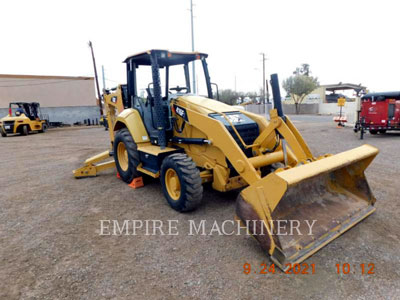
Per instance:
{"type": "Point", "coordinates": [131, 119]}
{"type": "Point", "coordinates": [18, 125]}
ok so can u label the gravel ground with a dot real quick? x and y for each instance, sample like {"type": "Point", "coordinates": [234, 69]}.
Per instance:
{"type": "Point", "coordinates": [50, 247]}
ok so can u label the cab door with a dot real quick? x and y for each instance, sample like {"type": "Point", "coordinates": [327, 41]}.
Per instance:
{"type": "Point", "coordinates": [396, 119]}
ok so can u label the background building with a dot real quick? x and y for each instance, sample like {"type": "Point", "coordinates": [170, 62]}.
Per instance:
{"type": "Point", "coordinates": [63, 98]}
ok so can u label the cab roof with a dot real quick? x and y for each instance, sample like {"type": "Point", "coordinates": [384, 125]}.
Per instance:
{"type": "Point", "coordinates": [165, 57]}
{"type": "Point", "coordinates": [23, 103]}
{"type": "Point", "coordinates": [383, 95]}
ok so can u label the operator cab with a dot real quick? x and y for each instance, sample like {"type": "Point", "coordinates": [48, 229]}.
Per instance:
{"type": "Point", "coordinates": [167, 78]}
{"type": "Point", "coordinates": [30, 109]}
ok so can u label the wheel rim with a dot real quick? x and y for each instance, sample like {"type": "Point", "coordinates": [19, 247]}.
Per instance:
{"type": "Point", "coordinates": [173, 184]}
{"type": "Point", "coordinates": [122, 156]}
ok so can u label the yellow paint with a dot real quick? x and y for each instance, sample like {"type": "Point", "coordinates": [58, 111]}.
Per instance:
{"type": "Point", "coordinates": [23, 120]}
{"type": "Point", "coordinates": [147, 172]}
{"type": "Point", "coordinates": [91, 168]}
{"type": "Point", "coordinates": [113, 106]}
{"type": "Point", "coordinates": [173, 184]}
{"type": "Point", "coordinates": [263, 193]}
{"type": "Point", "coordinates": [131, 119]}
{"type": "Point", "coordinates": [122, 155]}
{"type": "Point", "coordinates": [153, 149]}
{"type": "Point", "coordinates": [341, 101]}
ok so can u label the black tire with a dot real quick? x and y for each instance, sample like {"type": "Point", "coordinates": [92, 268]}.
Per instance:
{"type": "Point", "coordinates": [127, 170]}
{"type": "Point", "coordinates": [24, 130]}
{"type": "Point", "coordinates": [191, 189]}
{"type": "Point", "coordinates": [3, 133]}
{"type": "Point", "coordinates": [44, 128]}
{"type": "Point", "coordinates": [373, 131]}
{"type": "Point", "coordinates": [382, 131]}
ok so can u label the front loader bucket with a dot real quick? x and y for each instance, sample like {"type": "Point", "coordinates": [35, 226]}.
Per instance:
{"type": "Point", "coordinates": [295, 212]}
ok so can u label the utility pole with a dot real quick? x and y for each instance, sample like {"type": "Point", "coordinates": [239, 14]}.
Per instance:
{"type": "Point", "coordinates": [263, 60]}
{"type": "Point", "coordinates": [104, 78]}
{"type": "Point", "coordinates": [193, 65]}
{"type": "Point", "coordinates": [96, 78]}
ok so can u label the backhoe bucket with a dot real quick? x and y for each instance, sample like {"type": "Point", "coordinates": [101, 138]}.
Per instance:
{"type": "Point", "coordinates": [295, 212]}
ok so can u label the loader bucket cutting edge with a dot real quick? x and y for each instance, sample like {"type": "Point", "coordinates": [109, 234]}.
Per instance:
{"type": "Point", "coordinates": [333, 191]}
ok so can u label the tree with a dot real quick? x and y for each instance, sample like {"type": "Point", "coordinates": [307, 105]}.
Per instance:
{"type": "Point", "coordinates": [299, 86]}
{"type": "Point", "coordinates": [303, 70]}
{"type": "Point", "coordinates": [228, 96]}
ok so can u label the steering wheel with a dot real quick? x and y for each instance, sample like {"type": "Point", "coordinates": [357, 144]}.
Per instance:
{"type": "Point", "coordinates": [179, 89]}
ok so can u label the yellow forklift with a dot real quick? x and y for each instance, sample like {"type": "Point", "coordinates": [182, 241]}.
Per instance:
{"type": "Point", "coordinates": [23, 118]}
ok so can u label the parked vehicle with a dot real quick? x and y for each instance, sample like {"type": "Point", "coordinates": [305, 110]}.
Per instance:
{"type": "Point", "coordinates": [379, 112]}
{"type": "Point", "coordinates": [187, 140]}
{"type": "Point", "coordinates": [22, 118]}
{"type": "Point", "coordinates": [333, 98]}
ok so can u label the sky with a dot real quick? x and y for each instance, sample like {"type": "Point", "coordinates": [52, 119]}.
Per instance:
{"type": "Point", "coordinates": [343, 41]}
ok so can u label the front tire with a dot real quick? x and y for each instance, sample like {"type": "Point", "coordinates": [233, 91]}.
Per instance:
{"type": "Point", "coordinates": [24, 130]}
{"type": "Point", "coordinates": [3, 133]}
{"type": "Point", "coordinates": [373, 131]}
{"type": "Point", "coordinates": [126, 155]}
{"type": "Point", "coordinates": [181, 182]}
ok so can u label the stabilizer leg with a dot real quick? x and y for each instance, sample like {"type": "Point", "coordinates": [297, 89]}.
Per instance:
{"type": "Point", "coordinates": [90, 169]}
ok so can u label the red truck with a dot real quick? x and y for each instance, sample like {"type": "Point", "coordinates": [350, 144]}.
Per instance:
{"type": "Point", "coordinates": [379, 112]}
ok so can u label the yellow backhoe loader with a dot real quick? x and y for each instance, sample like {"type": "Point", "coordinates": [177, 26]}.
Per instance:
{"type": "Point", "coordinates": [187, 140]}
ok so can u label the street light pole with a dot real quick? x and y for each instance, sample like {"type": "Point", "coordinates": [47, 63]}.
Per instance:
{"type": "Point", "coordinates": [193, 65]}
{"type": "Point", "coordinates": [104, 78]}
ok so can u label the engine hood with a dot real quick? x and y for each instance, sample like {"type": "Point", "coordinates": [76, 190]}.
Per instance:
{"type": "Point", "coordinates": [8, 118]}
{"type": "Point", "coordinates": [204, 105]}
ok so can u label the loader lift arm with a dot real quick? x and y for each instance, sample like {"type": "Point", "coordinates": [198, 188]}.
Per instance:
{"type": "Point", "coordinates": [331, 189]}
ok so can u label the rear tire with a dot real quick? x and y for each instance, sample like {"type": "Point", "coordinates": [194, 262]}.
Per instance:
{"type": "Point", "coordinates": [372, 131]}
{"type": "Point", "coordinates": [126, 155]}
{"type": "Point", "coordinates": [181, 182]}
{"type": "Point", "coordinates": [25, 130]}
{"type": "Point", "coordinates": [44, 128]}
{"type": "Point", "coordinates": [3, 133]}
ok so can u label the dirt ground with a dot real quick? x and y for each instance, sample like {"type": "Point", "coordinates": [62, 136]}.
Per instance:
{"type": "Point", "coordinates": [50, 247]}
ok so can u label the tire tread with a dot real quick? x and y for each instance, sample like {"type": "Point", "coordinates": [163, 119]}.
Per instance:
{"type": "Point", "coordinates": [192, 181]}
